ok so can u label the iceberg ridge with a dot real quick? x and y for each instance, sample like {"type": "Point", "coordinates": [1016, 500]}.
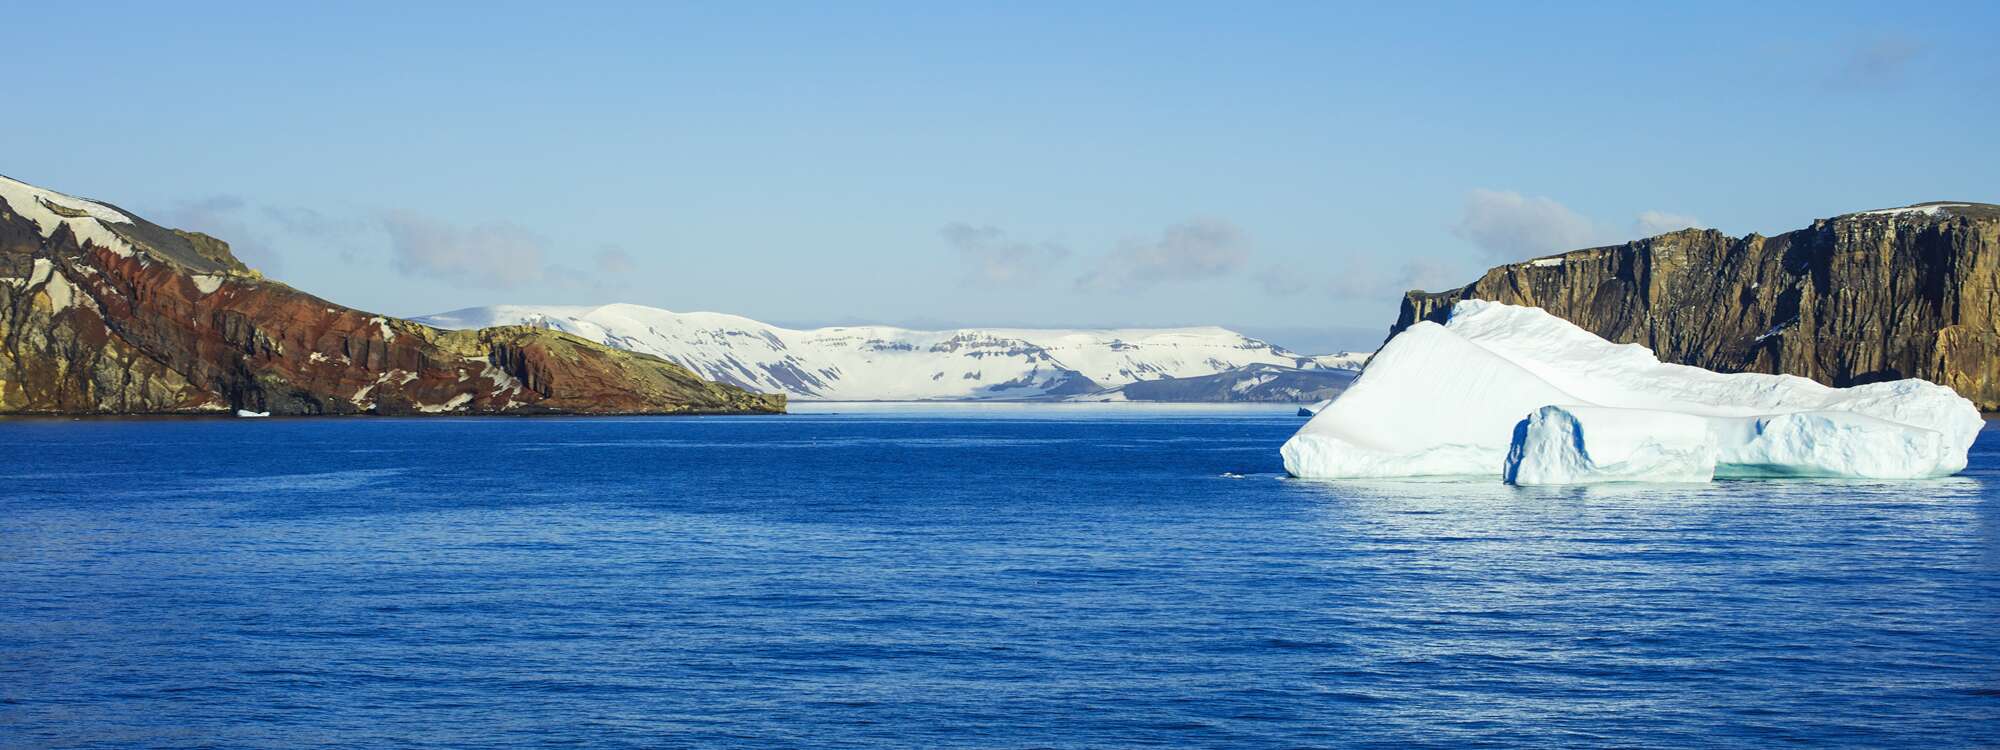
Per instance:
{"type": "Point", "coordinates": [1519, 392]}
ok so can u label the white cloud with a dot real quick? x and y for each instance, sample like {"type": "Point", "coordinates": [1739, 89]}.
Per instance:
{"type": "Point", "coordinates": [1431, 275]}
{"type": "Point", "coordinates": [496, 254]}
{"type": "Point", "coordinates": [992, 258]}
{"type": "Point", "coordinates": [493, 255]}
{"type": "Point", "coordinates": [223, 217]}
{"type": "Point", "coordinates": [1652, 223]}
{"type": "Point", "coordinates": [1361, 280]}
{"type": "Point", "coordinates": [1190, 251]}
{"type": "Point", "coordinates": [1284, 281]}
{"type": "Point", "coordinates": [615, 263]}
{"type": "Point", "coordinates": [1511, 226]}
{"type": "Point", "coordinates": [301, 221]}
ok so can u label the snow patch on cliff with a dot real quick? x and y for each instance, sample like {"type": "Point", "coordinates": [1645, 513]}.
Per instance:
{"type": "Point", "coordinates": [1931, 209]}
{"type": "Point", "coordinates": [62, 294]}
{"type": "Point", "coordinates": [457, 402]}
{"type": "Point", "coordinates": [501, 380]}
{"type": "Point", "coordinates": [49, 209]}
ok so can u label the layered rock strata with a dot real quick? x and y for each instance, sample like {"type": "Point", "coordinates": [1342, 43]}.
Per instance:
{"type": "Point", "coordinates": [1861, 298]}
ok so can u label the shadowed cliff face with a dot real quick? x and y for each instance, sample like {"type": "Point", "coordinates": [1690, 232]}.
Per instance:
{"type": "Point", "coordinates": [104, 313]}
{"type": "Point", "coordinates": [1854, 299]}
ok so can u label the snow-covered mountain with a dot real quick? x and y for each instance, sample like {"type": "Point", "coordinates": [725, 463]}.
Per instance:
{"type": "Point", "coordinates": [882, 363]}
{"type": "Point", "coordinates": [1258, 382]}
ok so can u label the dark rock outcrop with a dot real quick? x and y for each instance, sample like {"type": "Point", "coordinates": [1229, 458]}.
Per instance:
{"type": "Point", "coordinates": [102, 312]}
{"type": "Point", "coordinates": [1859, 298]}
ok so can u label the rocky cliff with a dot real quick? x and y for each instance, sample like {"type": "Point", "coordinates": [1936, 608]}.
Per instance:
{"type": "Point", "coordinates": [1876, 295]}
{"type": "Point", "coordinates": [102, 312]}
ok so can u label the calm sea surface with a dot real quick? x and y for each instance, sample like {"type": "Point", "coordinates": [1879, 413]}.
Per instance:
{"type": "Point", "coordinates": [954, 577]}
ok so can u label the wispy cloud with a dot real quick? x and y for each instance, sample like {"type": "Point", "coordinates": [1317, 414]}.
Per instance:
{"type": "Point", "coordinates": [1509, 225]}
{"type": "Point", "coordinates": [494, 255]}
{"type": "Point", "coordinates": [1285, 281]}
{"type": "Point", "coordinates": [1430, 274]}
{"type": "Point", "coordinates": [490, 255]}
{"type": "Point", "coordinates": [993, 258]}
{"type": "Point", "coordinates": [302, 221]}
{"type": "Point", "coordinates": [223, 217]}
{"type": "Point", "coordinates": [1363, 279]}
{"type": "Point", "coordinates": [1360, 280]}
{"type": "Point", "coordinates": [1651, 223]}
{"type": "Point", "coordinates": [1879, 62]}
{"type": "Point", "coordinates": [258, 232]}
{"type": "Point", "coordinates": [615, 263]}
{"type": "Point", "coordinates": [1190, 251]}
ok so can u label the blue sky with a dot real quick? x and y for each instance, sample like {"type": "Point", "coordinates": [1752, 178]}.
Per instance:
{"type": "Point", "coordinates": [1284, 169]}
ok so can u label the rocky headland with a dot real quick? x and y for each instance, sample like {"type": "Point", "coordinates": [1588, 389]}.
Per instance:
{"type": "Point", "coordinates": [103, 312]}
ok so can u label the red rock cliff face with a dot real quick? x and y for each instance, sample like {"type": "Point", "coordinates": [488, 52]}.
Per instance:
{"type": "Point", "coordinates": [107, 316]}
{"type": "Point", "coordinates": [1853, 299]}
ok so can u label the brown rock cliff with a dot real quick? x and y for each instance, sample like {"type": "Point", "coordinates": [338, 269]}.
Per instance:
{"type": "Point", "coordinates": [102, 312]}
{"type": "Point", "coordinates": [1858, 298]}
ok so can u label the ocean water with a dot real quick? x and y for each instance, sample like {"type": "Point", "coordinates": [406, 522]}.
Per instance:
{"type": "Point", "coordinates": [954, 577]}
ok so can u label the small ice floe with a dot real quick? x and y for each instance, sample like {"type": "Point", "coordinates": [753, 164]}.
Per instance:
{"type": "Point", "coordinates": [1231, 475]}
{"type": "Point", "coordinates": [249, 413]}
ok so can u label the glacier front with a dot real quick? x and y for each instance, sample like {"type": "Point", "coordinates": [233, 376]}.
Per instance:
{"type": "Point", "coordinates": [1515, 391]}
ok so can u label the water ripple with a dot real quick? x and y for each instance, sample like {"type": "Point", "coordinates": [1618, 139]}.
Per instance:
{"type": "Point", "coordinates": [895, 577]}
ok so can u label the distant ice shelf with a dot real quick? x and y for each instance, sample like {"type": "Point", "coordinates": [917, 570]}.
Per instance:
{"type": "Point", "coordinates": [1517, 392]}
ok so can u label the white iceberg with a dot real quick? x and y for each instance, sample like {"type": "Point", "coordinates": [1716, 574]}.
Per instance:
{"type": "Point", "coordinates": [1577, 444]}
{"type": "Point", "coordinates": [1467, 398]}
{"type": "Point", "coordinates": [249, 413]}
